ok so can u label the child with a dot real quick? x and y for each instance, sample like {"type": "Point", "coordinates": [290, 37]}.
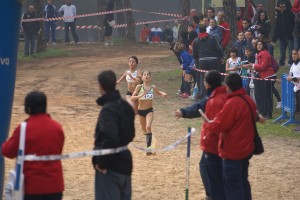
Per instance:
{"type": "Point", "coordinates": [186, 63]}
{"type": "Point", "coordinates": [145, 94]}
{"type": "Point", "coordinates": [249, 58]}
{"type": "Point", "coordinates": [156, 33]}
{"type": "Point", "coordinates": [133, 76]}
{"type": "Point", "coordinates": [294, 76]}
{"type": "Point", "coordinates": [145, 33]}
{"type": "Point", "coordinates": [233, 63]}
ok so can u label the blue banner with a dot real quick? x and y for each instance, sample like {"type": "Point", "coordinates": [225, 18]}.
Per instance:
{"type": "Point", "coordinates": [10, 15]}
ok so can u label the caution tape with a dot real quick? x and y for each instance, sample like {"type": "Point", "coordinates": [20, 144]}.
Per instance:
{"type": "Point", "coordinates": [224, 74]}
{"type": "Point", "coordinates": [167, 148]}
{"type": "Point", "coordinates": [159, 13]}
{"type": "Point", "coordinates": [79, 27]}
{"type": "Point", "coordinates": [102, 152]}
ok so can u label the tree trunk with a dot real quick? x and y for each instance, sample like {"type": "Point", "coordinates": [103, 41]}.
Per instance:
{"type": "Point", "coordinates": [246, 9]}
{"type": "Point", "coordinates": [185, 6]}
{"type": "Point", "coordinates": [101, 7]}
{"type": "Point", "coordinates": [130, 22]}
{"type": "Point", "coordinates": [41, 40]}
{"type": "Point", "coordinates": [230, 10]}
{"type": "Point", "coordinates": [120, 19]}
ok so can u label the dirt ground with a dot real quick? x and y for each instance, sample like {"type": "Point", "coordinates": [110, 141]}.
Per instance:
{"type": "Point", "coordinates": [71, 86]}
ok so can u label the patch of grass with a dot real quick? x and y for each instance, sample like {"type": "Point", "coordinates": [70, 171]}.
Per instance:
{"type": "Point", "coordinates": [49, 53]}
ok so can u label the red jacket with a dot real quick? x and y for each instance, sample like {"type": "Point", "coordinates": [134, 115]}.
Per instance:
{"type": "Point", "coordinates": [296, 6]}
{"type": "Point", "coordinates": [264, 64]}
{"type": "Point", "coordinates": [240, 25]}
{"type": "Point", "coordinates": [225, 33]}
{"type": "Point", "coordinates": [209, 139]}
{"type": "Point", "coordinates": [234, 122]}
{"type": "Point", "coordinates": [44, 136]}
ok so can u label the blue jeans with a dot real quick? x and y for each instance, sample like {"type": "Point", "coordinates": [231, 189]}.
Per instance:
{"type": "Point", "coordinates": [50, 26]}
{"type": "Point", "coordinates": [71, 25]}
{"type": "Point", "coordinates": [283, 44]}
{"type": "Point", "coordinates": [112, 185]}
{"type": "Point", "coordinates": [235, 179]}
{"type": "Point", "coordinates": [214, 172]}
{"type": "Point", "coordinates": [204, 175]}
{"type": "Point", "coordinates": [29, 44]}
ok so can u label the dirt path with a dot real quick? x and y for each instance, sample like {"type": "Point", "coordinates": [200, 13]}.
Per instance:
{"type": "Point", "coordinates": [71, 86]}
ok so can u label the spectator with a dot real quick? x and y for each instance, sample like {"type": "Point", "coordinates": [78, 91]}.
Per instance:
{"type": "Point", "coordinates": [225, 28]}
{"type": "Point", "coordinates": [236, 138]}
{"type": "Point", "coordinates": [196, 22]}
{"type": "Point", "coordinates": [44, 136]}
{"type": "Point", "coordinates": [68, 11]}
{"type": "Point", "coordinates": [294, 76]}
{"type": "Point", "coordinates": [239, 20]}
{"type": "Point", "coordinates": [50, 12]}
{"type": "Point", "coordinates": [186, 67]}
{"type": "Point", "coordinates": [192, 35]}
{"type": "Point", "coordinates": [287, 4]}
{"type": "Point", "coordinates": [259, 9]}
{"type": "Point", "coordinates": [264, 88]}
{"type": "Point", "coordinates": [240, 45]}
{"type": "Point", "coordinates": [210, 164]}
{"type": "Point", "coordinates": [251, 11]}
{"type": "Point", "coordinates": [114, 128]}
{"type": "Point", "coordinates": [211, 14]}
{"type": "Point", "coordinates": [145, 33]}
{"type": "Point", "coordinates": [233, 63]}
{"type": "Point", "coordinates": [262, 25]}
{"type": "Point", "coordinates": [30, 29]}
{"type": "Point", "coordinates": [246, 25]}
{"type": "Point", "coordinates": [168, 34]}
{"type": "Point", "coordinates": [193, 13]}
{"type": "Point", "coordinates": [206, 23]}
{"type": "Point", "coordinates": [176, 30]}
{"type": "Point", "coordinates": [248, 38]}
{"type": "Point", "coordinates": [109, 22]}
{"type": "Point", "coordinates": [215, 30]}
{"type": "Point", "coordinates": [296, 11]}
{"type": "Point", "coordinates": [284, 27]}
{"type": "Point", "coordinates": [156, 33]}
{"type": "Point", "coordinates": [207, 54]}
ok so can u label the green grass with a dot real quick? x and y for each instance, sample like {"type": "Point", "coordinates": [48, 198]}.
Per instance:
{"type": "Point", "coordinates": [49, 53]}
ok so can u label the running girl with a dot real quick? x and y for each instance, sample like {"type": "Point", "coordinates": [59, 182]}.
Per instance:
{"type": "Point", "coordinates": [133, 76]}
{"type": "Point", "coordinates": [145, 94]}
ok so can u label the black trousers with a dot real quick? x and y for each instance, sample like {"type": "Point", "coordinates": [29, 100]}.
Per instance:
{"type": "Point", "coordinates": [56, 196]}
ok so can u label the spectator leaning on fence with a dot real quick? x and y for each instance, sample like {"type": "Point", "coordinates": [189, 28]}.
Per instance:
{"type": "Point", "coordinates": [109, 22]}
{"type": "Point", "coordinates": [68, 11]}
{"type": "Point", "coordinates": [44, 136]}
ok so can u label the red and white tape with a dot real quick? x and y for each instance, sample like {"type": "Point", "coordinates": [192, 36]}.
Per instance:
{"type": "Point", "coordinates": [224, 74]}
{"type": "Point", "coordinates": [79, 27]}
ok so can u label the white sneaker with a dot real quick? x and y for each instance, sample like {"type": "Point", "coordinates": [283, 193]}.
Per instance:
{"type": "Point", "coordinates": [106, 43]}
{"type": "Point", "coordinates": [279, 105]}
{"type": "Point", "coordinates": [53, 43]}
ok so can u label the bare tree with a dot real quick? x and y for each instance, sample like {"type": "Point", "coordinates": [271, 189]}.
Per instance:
{"type": "Point", "coordinates": [120, 19]}
{"type": "Point", "coordinates": [185, 10]}
{"type": "Point", "coordinates": [101, 7]}
{"type": "Point", "coordinates": [130, 22]}
{"type": "Point", "coordinates": [230, 10]}
{"type": "Point", "coordinates": [41, 41]}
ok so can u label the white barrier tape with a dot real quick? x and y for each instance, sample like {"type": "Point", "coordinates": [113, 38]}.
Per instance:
{"type": "Point", "coordinates": [79, 27]}
{"type": "Point", "coordinates": [103, 151]}
{"type": "Point", "coordinates": [75, 155]}
{"type": "Point", "coordinates": [77, 16]}
{"type": "Point", "coordinates": [159, 13]}
{"type": "Point", "coordinates": [164, 149]}
{"type": "Point", "coordinates": [224, 74]}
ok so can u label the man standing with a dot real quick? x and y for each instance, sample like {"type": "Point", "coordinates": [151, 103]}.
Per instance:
{"type": "Point", "coordinates": [109, 22]}
{"type": "Point", "coordinates": [30, 29]}
{"type": "Point", "coordinates": [207, 53]}
{"type": "Point", "coordinates": [50, 12]}
{"type": "Point", "coordinates": [114, 128]}
{"type": "Point", "coordinates": [68, 11]}
{"type": "Point", "coordinates": [284, 27]}
{"type": "Point", "coordinates": [236, 141]}
{"type": "Point", "coordinates": [224, 28]}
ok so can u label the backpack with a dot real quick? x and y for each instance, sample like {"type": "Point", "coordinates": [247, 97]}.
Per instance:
{"type": "Point", "coordinates": [274, 64]}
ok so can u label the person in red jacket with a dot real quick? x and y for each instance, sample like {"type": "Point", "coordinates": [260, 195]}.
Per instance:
{"type": "Point", "coordinates": [210, 163]}
{"type": "Point", "coordinates": [236, 141]}
{"type": "Point", "coordinates": [44, 136]}
{"type": "Point", "coordinates": [224, 28]}
{"type": "Point", "coordinates": [264, 88]}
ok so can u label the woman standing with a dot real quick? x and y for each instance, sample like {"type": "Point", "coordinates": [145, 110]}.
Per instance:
{"type": "Point", "coordinates": [264, 88]}
{"type": "Point", "coordinates": [262, 25]}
